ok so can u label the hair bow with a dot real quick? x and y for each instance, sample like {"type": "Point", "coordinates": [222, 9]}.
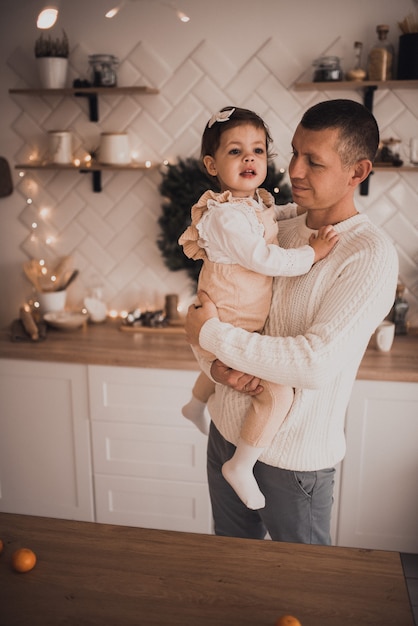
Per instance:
{"type": "Point", "coordinates": [220, 116]}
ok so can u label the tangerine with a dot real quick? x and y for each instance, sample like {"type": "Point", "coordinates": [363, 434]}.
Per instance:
{"type": "Point", "coordinates": [23, 560]}
{"type": "Point", "coordinates": [288, 620]}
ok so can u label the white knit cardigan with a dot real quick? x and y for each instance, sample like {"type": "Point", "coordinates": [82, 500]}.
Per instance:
{"type": "Point", "coordinates": [317, 332]}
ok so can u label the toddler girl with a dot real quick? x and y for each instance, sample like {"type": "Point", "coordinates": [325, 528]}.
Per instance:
{"type": "Point", "coordinates": [235, 233]}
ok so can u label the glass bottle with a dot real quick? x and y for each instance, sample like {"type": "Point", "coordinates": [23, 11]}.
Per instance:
{"type": "Point", "coordinates": [357, 73]}
{"type": "Point", "coordinates": [381, 56]}
{"type": "Point", "coordinates": [399, 311]}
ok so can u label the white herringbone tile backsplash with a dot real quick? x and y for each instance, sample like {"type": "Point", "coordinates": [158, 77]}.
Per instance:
{"type": "Point", "coordinates": [112, 235]}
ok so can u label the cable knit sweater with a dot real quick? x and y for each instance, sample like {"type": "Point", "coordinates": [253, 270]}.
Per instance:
{"type": "Point", "coordinates": [317, 332]}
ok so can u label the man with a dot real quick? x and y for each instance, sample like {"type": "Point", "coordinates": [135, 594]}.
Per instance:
{"type": "Point", "coordinates": [318, 329]}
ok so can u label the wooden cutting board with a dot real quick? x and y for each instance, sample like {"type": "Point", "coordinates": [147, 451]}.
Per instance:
{"type": "Point", "coordinates": [162, 330]}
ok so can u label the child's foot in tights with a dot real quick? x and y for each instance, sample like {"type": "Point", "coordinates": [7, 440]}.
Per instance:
{"type": "Point", "coordinates": [194, 411]}
{"type": "Point", "coordinates": [238, 472]}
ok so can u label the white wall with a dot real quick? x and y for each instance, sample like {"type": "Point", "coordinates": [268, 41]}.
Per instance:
{"type": "Point", "coordinates": [235, 52]}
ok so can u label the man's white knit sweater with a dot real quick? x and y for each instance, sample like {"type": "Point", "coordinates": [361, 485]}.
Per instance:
{"type": "Point", "coordinates": [317, 332]}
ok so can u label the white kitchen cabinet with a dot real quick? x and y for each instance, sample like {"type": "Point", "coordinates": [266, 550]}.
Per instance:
{"type": "Point", "coordinates": [45, 464]}
{"type": "Point", "coordinates": [149, 461]}
{"type": "Point", "coordinates": [378, 496]}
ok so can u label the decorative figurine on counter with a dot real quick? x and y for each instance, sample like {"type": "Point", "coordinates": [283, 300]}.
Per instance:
{"type": "Point", "coordinates": [148, 319]}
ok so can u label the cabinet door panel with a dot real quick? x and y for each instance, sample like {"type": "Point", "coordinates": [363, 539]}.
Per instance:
{"type": "Point", "coordinates": [379, 495]}
{"type": "Point", "coordinates": [45, 465]}
{"type": "Point", "coordinates": [153, 504]}
{"type": "Point", "coordinates": [149, 451]}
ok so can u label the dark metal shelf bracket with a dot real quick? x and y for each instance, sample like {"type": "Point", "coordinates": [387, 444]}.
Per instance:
{"type": "Point", "coordinates": [97, 178]}
{"type": "Point", "coordinates": [368, 103]}
{"type": "Point", "coordinates": [93, 104]}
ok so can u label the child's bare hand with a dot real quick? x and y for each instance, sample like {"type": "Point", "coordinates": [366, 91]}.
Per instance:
{"type": "Point", "coordinates": [323, 242]}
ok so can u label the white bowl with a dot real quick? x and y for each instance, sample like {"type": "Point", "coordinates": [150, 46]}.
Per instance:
{"type": "Point", "coordinates": [65, 320]}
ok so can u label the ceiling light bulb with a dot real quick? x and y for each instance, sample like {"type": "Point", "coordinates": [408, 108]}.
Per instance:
{"type": "Point", "coordinates": [47, 17]}
{"type": "Point", "coordinates": [114, 10]}
{"type": "Point", "coordinates": [183, 17]}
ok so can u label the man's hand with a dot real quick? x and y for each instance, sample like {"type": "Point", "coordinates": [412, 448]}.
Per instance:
{"type": "Point", "coordinates": [197, 315]}
{"type": "Point", "coordinates": [245, 383]}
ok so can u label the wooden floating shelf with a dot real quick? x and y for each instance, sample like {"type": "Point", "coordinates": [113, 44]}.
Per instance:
{"type": "Point", "coordinates": [368, 87]}
{"type": "Point", "coordinates": [91, 93]}
{"type": "Point", "coordinates": [357, 84]}
{"type": "Point", "coordinates": [393, 168]}
{"type": "Point", "coordinates": [73, 91]}
{"type": "Point", "coordinates": [93, 168]}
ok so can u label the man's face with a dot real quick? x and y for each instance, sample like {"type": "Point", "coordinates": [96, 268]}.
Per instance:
{"type": "Point", "coordinates": [319, 180]}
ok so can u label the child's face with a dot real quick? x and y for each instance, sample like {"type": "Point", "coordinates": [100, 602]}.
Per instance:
{"type": "Point", "coordinates": [240, 162]}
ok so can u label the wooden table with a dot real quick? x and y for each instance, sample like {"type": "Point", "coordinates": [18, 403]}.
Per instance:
{"type": "Point", "coordinates": [99, 574]}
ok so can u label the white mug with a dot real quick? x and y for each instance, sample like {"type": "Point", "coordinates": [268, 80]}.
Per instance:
{"type": "Point", "coordinates": [52, 300]}
{"type": "Point", "coordinates": [59, 146]}
{"type": "Point", "coordinates": [414, 151]}
{"type": "Point", "coordinates": [385, 334]}
{"type": "Point", "coordinates": [114, 149]}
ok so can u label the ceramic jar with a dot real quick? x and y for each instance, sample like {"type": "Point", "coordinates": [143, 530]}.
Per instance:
{"type": "Point", "coordinates": [60, 146]}
{"type": "Point", "coordinates": [114, 149]}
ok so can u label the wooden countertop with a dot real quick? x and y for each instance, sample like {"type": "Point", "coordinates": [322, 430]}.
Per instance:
{"type": "Point", "coordinates": [106, 344]}
{"type": "Point", "coordinates": [100, 574]}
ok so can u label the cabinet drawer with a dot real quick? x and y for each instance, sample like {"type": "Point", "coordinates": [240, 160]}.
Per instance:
{"type": "Point", "coordinates": [148, 396]}
{"type": "Point", "coordinates": [166, 505]}
{"type": "Point", "coordinates": [149, 451]}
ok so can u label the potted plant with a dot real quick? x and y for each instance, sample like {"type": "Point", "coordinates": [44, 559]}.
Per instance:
{"type": "Point", "coordinates": [52, 57]}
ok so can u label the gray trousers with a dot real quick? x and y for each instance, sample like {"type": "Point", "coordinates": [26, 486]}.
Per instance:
{"type": "Point", "coordinates": [298, 504]}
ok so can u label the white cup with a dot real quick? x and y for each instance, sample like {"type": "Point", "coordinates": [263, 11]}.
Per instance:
{"type": "Point", "coordinates": [114, 149]}
{"type": "Point", "coordinates": [414, 150]}
{"type": "Point", "coordinates": [52, 300]}
{"type": "Point", "coordinates": [59, 146]}
{"type": "Point", "coordinates": [385, 334]}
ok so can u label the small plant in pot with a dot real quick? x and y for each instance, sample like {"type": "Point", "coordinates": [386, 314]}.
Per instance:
{"type": "Point", "coordinates": [52, 57]}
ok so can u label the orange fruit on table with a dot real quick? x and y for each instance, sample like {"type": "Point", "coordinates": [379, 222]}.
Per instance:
{"type": "Point", "coordinates": [288, 620]}
{"type": "Point", "coordinates": [1, 546]}
{"type": "Point", "coordinates": [23, 560]}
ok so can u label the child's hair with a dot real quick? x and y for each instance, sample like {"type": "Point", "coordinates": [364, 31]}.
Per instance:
{"type": "Point", "coordinates": [219, 123]}
{"type": "Point", "coordinates": [358, 129]}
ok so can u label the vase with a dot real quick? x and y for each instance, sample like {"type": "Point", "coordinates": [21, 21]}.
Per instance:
{"type": "Point", "coordinates": [52, 72]}
{"type": "Point", "coordinates": [408, 57]}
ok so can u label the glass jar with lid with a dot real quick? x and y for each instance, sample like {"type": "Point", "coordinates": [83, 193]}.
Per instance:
{"type": "Point", "coordinates": [103, 70]}
{"type": "Point", "coordinates": [328, 69]}
{"type": "Point", "coordinates": [381, 56]}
